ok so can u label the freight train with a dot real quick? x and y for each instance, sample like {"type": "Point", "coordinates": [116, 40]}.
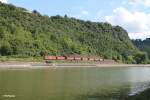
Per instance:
{"type": "Point", "coordinates": [79, 58]}
{"type": "Point", "coordinates": [72, 58]}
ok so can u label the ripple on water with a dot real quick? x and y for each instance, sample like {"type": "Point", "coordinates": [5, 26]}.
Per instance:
{"type": "Point", "coordinates": [9, 96]}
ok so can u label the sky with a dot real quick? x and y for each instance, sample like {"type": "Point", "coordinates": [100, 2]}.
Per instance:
{"type": "Point", "coordinates": [132, 15]}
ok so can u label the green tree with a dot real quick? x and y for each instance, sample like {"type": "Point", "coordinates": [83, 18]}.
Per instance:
{"type": "Point", "coordinates": [141, 58]}
{"type": "Point", "coordinates": [31, 34]}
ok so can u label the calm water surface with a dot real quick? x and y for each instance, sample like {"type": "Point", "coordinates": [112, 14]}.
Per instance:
{"type": "Point", "coordinates": [76, 84]}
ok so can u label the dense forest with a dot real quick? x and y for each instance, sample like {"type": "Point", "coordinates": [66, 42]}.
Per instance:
{"type": "Point", "coordinates": [29, 34]}
{"type": "Point", "coordinates": [143, 45]}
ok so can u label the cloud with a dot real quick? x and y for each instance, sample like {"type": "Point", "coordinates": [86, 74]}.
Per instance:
{"type": "Point", "coordinates": [136, 23]}
{"type": "Point", "coordinates": [135, 2]}
{"type": "Point", "coordinates": [146, 3]}
{"type": "Point", "coordinates": [84, 12]}
{"type": "Point", "coordinates": [3, 1]}
{"type": "Point", "coordinates": [98, 16]}
{"type": "Point", "coordinates": [81, 15]}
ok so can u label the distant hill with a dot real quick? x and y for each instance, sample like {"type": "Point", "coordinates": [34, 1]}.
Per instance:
{"type": "Point", "coordinates": [25, 34]}
{"type": "Point", "coordinates": [143, 45]}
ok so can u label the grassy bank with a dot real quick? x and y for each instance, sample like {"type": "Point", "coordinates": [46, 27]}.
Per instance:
{"type": "Point", "coordinates": [21, 59]}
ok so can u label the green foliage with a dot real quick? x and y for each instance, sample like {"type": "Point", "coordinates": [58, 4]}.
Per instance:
{"type": "Point", "coordinates": [131, 60]}
{"type": "Point", "coordinates": [30, 34]}
{"type": "Point", "coordinates": [138, 58]}
{"type": "Point", "coordinates": [5, 49]}
{"type": "Point", "coordinates": [141, 58]}
{"type": "Point", "coordinates": [143, 45]}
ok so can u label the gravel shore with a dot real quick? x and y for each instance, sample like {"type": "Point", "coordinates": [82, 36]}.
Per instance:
{"type": "Point", "coordinates": [37, 65]}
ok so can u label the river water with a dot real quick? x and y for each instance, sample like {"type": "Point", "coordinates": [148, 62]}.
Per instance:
{"type": "Point", "coordinates": [130, 83]}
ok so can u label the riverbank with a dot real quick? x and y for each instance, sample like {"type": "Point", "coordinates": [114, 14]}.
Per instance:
{"type": "Point", "coordinates": [37, 65]}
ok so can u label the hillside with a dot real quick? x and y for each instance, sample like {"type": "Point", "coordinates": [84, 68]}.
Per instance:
{"type": "Point", "coordinates": [143, 45]}
{"type": "Point", "coordinates": [25, 34]}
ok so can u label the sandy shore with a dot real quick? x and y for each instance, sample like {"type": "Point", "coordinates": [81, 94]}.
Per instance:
{"type": "Point", "coordinates": [37, 65]}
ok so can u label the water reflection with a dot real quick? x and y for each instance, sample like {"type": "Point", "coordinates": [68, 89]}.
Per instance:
{"type": "Point", "coordinates": [145, 95]}
{"type": "Point", "coordinates": [140, 80]}
{"type": "Point", "coordinates": [135, 85]}
{"type": "Point", "coordinates": [138, 74]}
{"type": "Point", "coordinates": [137, 88]}
{"type": "Point", "coordinates": [138, 93]}
{"type": "Point", "coordinates": [76, 84]}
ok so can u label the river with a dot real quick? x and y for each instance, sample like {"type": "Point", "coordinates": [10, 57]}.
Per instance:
{"type": "Point", "coordinates": [116, 83]}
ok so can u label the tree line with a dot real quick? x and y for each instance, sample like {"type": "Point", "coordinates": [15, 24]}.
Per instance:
{"type": "Point", "coordinates": [30, 34]}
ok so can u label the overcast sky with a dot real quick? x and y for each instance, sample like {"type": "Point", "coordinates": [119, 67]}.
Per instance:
{"type": "Point", "coordinates": [133, 15]}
